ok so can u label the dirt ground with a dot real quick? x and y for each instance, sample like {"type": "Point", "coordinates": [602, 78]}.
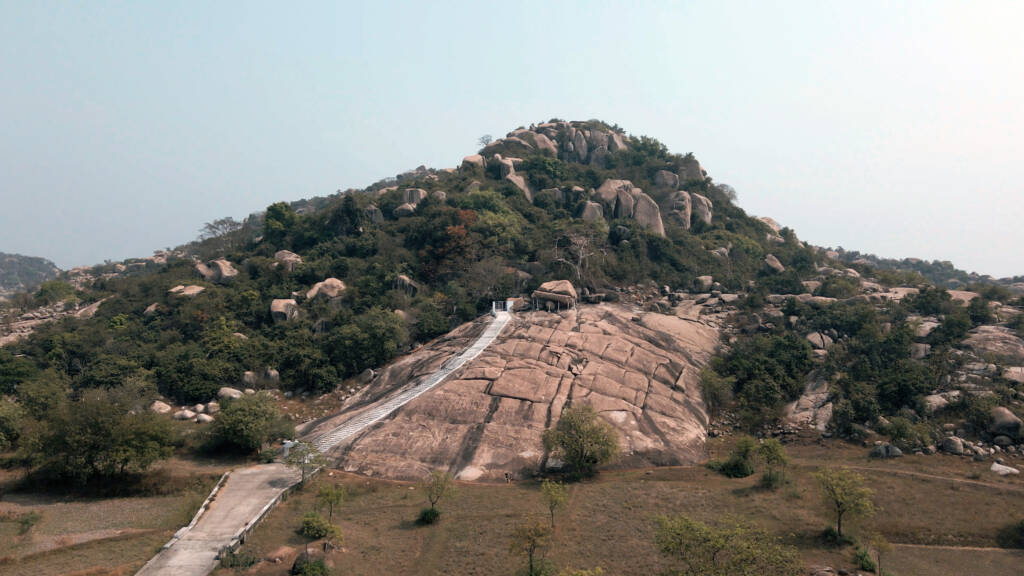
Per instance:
{"type": "Point", "coordinates": [942, 512]}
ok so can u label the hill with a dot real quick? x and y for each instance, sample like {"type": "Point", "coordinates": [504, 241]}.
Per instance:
{"type": "Point", "coordinates": [639, 287]}
{"type": "Point", "coordinates": [22, 273]}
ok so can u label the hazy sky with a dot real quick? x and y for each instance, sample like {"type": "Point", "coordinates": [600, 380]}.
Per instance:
{"type": "Point", "coordinates": [892, 128]}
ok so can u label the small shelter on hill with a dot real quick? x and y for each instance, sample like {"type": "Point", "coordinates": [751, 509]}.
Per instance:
{"type": "Point", "coordinates": [554, 295]}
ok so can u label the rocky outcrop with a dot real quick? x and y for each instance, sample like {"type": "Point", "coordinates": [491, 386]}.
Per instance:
{"type": "Point", "coordinates": [1005, 423]}
{"type": "Point", "coordinates": [591, 211]}
{"type": "Point", "coordinates": [229, 393]}
{"type": "Point", "coordinates": [373, 214]}
{"type": "Point", "coordinates": [187, 291]}
{"type": "Point", "coordinates": [702, 208]}
{"type": "Point", "coordinates": [284, 309]}
{"type": "Point", "coordinates": [403, 210]}
{"type": "Point", "coordinates": [691, 170]}
{"type": "Point", "coordinates": [996, 342]}
{"type": "Point", "coordinates": [773, 264]}
{"type": "Point", "coordinates": [329, 288]}
{"type": "Point", "coordinates": [666, 179]}
{"type": "Point", "coordinates": [287, 259]}
{"type": "Point", "coordinates": [544, 144]}
{"type": "Point", "coordinates": [639, 371]}
{"type": "Point", "coordinates": [813, 408]}
{"type": "Point", "coordinates": [647, 214]}
{"type": "Point", "coordinates": [679, 208]}
{"type": "Point", "coordinates": [630, 202]}
{"type": "Point", "coordinates": [819, 341]}
{"type": "Point", "coordinates": [219, 270]}
{"type": "Point", "coordinates": [560, 292]}
{"type": "Point", "coordinates": [472, 161]}
{"type": "Point", "coordinates": [160, 407]}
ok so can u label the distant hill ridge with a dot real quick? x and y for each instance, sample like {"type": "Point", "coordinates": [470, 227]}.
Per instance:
{"type": "Point", "coordinates": [19, 273]}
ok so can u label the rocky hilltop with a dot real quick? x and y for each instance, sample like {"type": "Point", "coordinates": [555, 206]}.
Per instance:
{"type": "Point", "coordinates": [639, 370]}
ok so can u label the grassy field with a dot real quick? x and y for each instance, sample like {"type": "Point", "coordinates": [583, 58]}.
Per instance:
{"type": "Point", "coordinates": [93, 536]}
{"type": "Point", "coordinates": [944, 511]}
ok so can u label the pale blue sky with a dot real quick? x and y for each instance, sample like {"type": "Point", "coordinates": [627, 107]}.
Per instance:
{"type": "Point", "coordinates": [892, 128]}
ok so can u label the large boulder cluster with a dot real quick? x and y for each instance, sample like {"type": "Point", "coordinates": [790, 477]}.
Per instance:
{"type": "Point", "coordinates": [219, 271]}
{"type": "Point", "coordinates": [629, 202]}
{"type": "Point", "coordinates": [591, 144]}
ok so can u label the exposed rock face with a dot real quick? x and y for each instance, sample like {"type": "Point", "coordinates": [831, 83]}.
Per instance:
{"type": "Point", "coordinates": [160, 407]}
{"type": "Point", "coordinates": [544, 144]}
{"type": "Point", "coordinates": [219, 270]}
{"type": "Point", "coordinates": [283, 309]}
{"type": "Point", "coordinates": [187, 291]}
{"type": "Point", "coordinates": [151, 309]}
{"type": "Point", "coordinates": [404, 210]}
{"type": "Point", "coordinates": [227, 392]}
{"type": "Point", "coordinates": [329, 288]}
{"type": "Point", "coordinates": [679, 207]}
{"type": "Point", "coordinates": [558, 291]}
{"type": "Point", "coordinates": [692, 170]}
{"type": "Point", "coordinates": [1015, 373]}
{"type": "Point", "coordinates": [886, 451]}
{"type": "Point", "coordinates": [520, 181]}
{"type": "Point", "coordinates": [592, 211]}
{"type": "Point", "coordinates": [819, 341]}
{"type": "Point", "coordinates": [773, 264]}
{"type": "Point", "coordinates": [812, 409]}
{"type": "Point", "coordinates": [486, 420]}
{"type": "Point", "coordinates": [373, 214]}
{"type": "Point", "coordinates": [666, 179]}
{"type": "Point", "coordinates": [631, 202]}
{"type": "Point", "coordinates": [953, 445]}
{"type": "Point", "coordinates": [647, 214]}
{"type": "Point", "coordinates": [472, 161]}
{"type": "Point", "coordinates": [998, 342]}
{"type": "Point", "coordinates": [702, 208]}
{"type": "Point", "coordinates": [289, 260]}
{"type": "Point", "coordinates": [1005, 423]}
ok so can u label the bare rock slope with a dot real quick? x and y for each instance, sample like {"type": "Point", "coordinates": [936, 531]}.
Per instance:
{"type": "Point", "coordinates": [639, 370]}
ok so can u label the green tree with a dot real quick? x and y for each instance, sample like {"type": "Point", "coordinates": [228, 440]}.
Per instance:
{"type": "Point", "coordinates": [716, 391]}
{"type": "Point", "coordinates": [771, 452]}
{"type": "Point", "coordinates": [11, 416]}
{"type": "Point", "coordinates": [247, 423]}
{"type": "Point", "coordinates": [368, 341]}
{"type": "Point", "coordinates": [98, 436]}
{"type": "Point", "coordinates": [698, 549]}
{"type": "Point", "coordinates": [555, 496]}
{"type": "Point", "coordinates": [279, 221]}
{"type": "Point", "coordinates": [844, 494]}
{"type": "Point", "coordinates": [741, 459]}
{"type": "Point", "coordinates": [331, 496]}
{"type": "Point", "coordinates": [582, 440]}
{"type": "Point", "coordinates": [531, 539]}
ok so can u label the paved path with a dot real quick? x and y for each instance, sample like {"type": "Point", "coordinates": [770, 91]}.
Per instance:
{"type": "Point", "coordinates": [239, 502]}
{"type": "Point", "coordinates": [381, 410]}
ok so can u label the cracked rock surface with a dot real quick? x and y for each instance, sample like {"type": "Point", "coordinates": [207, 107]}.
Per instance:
{"type": "Point", "coordinates": [640, 371]}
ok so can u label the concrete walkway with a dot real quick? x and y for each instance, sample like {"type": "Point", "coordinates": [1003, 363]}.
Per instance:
{"type": "Point", "coordinates": [241, 501]}
{"type": "Point", "coordinates": [381, 410]}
